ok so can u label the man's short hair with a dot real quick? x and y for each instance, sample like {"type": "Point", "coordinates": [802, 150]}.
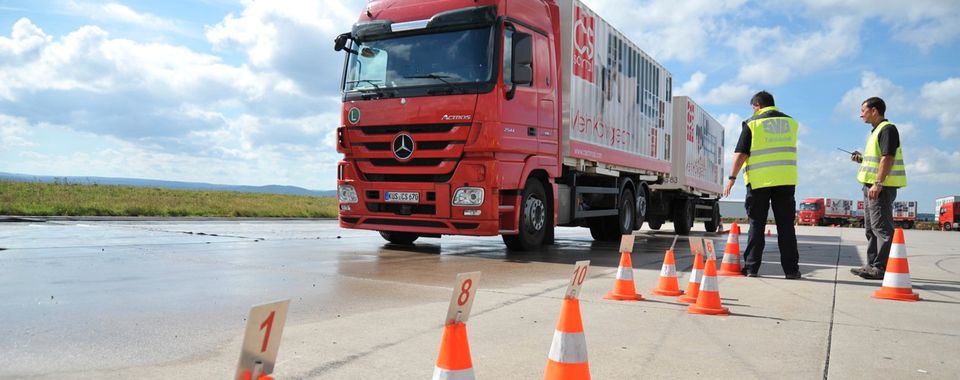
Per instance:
{"type": "Point", "coordinates": [877, 103]}
{"type": "Point", "coordinates": [762, 99]}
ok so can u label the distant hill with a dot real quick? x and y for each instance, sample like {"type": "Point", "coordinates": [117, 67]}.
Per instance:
{"type": "Point", "coordinates": [268, 189]}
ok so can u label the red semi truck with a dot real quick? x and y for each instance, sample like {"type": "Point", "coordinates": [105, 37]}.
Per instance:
{"type": "Point", "coordinates": [825, 211]}
{"type": "Point", "coordinates": [948, 213]}
{"type": "Point", "coordinates": [502, 117]}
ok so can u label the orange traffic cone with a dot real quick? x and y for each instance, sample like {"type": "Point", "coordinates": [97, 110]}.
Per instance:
{"type": "Point", "coordinates": [247, 375]}
{"type": "Point", "coordinates": [454, 360]}
{"type": "Point", "coordinates": [731, 256]}
{"type": "Point", "coordinates": [623, 287]}
{"type": "Point", "coordinates": [568, 353]}
{"type": "Point", "coordinates": [693, 286]}
{"type": "Point", "coordinates": [896, 281]}
{"type": "Point", "coordinates": [708, 301]}
{"type": "Point", "coordinates": [668, 285]}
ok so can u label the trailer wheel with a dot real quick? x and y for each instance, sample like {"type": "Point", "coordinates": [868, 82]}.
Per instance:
{"type": "Point", "coordinates": [404, 238]}
{"type": "Point", "coordinates": [641, 213]}
{"type": "Point", "coordinates": [683, 216]}
{"type": "Point", "coordinates": [534, 220]}
{"type": "Point", "coordinates": [654, 224]}
{"type": "Point", "coordinates": [714, 223]}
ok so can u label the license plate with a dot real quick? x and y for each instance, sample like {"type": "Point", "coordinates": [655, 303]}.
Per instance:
{"type": "Point", "coordinates": [401, 197]}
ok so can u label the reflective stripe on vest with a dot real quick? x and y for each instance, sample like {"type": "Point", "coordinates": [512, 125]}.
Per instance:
{"type": "Point", "coordinates": [871, 162]}
{"type": "Point", "coordinates": [773, 151]}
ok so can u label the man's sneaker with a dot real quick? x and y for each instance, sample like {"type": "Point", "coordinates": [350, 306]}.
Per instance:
{"type": "Point", "coordinates": [793, 276]}
{"type": "Point", "coordinates": [872, 274]}
{"type": "Point", "coordinates": [749, 273]}
{"type": "Point", "coordinates": [859, 270]}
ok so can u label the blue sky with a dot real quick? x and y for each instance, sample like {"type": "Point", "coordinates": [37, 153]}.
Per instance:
{"type": "Point", "coordinates": [243, 92]}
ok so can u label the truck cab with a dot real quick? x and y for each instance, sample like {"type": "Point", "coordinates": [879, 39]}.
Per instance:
{"type": "Point", "coordinates": [811, 212]}
{"type": "Point", "coordinates": [949, 216]}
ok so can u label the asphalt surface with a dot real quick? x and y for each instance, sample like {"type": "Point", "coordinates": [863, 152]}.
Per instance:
{"type": "Point", "coordinates": [160, 299]}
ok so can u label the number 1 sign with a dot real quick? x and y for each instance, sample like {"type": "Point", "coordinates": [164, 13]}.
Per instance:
{"type": "Point", "coordinates": [262, 338]}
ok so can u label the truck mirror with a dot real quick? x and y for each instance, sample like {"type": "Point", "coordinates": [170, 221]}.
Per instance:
{"type": "Point", "coordinates": [340, 43]}
{"type": "Point", "coordinates": [521, 72]}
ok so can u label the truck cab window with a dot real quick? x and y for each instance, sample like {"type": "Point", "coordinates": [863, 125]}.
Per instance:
{"type": "Point", "coordinates": [507, 55]}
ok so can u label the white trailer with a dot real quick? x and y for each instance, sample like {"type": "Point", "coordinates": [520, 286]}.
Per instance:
{"type": "Point", "coordinates": [904, 214]}
{"type": "Point", "coordinates": [837, 208]}
{"type": "Point", "coordinates": [696, 174]}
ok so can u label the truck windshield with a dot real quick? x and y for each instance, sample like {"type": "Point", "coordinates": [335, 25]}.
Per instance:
{"type": "Point", "coordinates": [808, 206]}
{"type": "Point", "coordinates": [445, 59]}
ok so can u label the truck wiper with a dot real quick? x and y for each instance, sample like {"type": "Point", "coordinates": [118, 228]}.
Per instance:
{"type": "Point", "coordinates": [367, 94]}
{"type": "Point", "coordinates": [442, 78]}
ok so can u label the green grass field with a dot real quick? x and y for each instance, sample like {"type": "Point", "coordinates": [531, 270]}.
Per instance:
{"type": "Point", "coordinates": [60, 199]}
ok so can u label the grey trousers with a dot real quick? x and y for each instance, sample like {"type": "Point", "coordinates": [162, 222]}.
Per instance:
{"type": "Point", "coordinates": [878, 223]}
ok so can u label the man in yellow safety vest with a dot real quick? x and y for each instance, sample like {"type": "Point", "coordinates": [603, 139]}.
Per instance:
{"type": "Point", "coordinates": [768, 147]}
{"type": "Point", "coordinates": [882, 172]}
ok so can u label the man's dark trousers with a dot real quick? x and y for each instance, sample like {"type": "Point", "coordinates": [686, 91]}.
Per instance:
{"type": "Point", "coordinates": [758, 203]}
{"type": "Point", "coordinates": [878, 225]}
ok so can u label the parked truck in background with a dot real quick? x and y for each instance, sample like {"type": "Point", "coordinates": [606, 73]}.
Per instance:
{"type": "Point", "coordinates": [904, 214]}
{"type": "Point", "coordinates": [692, 190]}
{"type": "Point", "coordinates": [500, 117]}
{"type": "Point", "coordinates": [825, 212]}
{"type": "Point", "coordinates": [947, 213]}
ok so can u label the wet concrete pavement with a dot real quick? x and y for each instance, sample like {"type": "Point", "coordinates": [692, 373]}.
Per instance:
{"type": "Point", "coordinates": [142, 299]}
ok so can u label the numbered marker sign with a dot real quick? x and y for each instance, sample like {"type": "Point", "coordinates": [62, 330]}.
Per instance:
{"type": "Point", "coordinates": [710, 251]}
{"type": "Point", "coordinates": [462, 299]}
{"type": "Point", "coordinates": [626, 244]}
{"type": "Point", "coordinates": [262, 338]}
{"type": "Point", "coordinates": [579, 275]}
{"type": "Point", "coordinates": [696, 245]}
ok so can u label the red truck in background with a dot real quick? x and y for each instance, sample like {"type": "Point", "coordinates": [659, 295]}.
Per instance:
{"type": "Point", "coordinates": [904, 214]}
{"type": "Point", "coordinates": [825, 212]}
{"type": "Point", "coordinates": [948, 213]}
{"type": "Point", "coordinates": [502, 117]}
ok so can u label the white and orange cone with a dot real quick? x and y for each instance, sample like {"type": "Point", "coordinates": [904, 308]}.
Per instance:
{"type": "Point", "coordinates": [693, 285]}
{"type": "Point", "coordinates": [896, 281]}
{"type": "Point", "coordinates": [623, 287]}
{"type": "Point", "coordinates": [731, 254]}
{"type": "Point", "coordinates": [668, 285]}
{"type": "Point", "coordinates": [568, 353]}
{"type": "Point", "coordinates": [454, 359]}
{"type": "Point", "coordinates": [708, 301]}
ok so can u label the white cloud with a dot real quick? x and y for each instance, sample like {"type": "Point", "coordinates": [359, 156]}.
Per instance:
{"type": "Point", "coordinates": [931, 165]}
{"type": "Point", "coordinates": [871, 84]}
{"type": "Point", "coordinates": [124, 14]}
{"type": "Point", "coordinates": [13, 132]}
{"type": "Point", "coordinates": [941, 100]}
{"type": "Point", "coordinates": [692, 87]}
{"type": "Point", "coordinates": [728, 93]}
{"type": "Point", "coordinates": [772, 58]}
{"type": "Point", "coordinates": [669, 29]}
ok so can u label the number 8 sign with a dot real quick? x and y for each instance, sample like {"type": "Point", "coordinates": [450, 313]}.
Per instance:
{"type": "Point", "coordinates": [579, 275]}
{"type": "Point", "coordinates": [462, 299]}
{"type": "Point", "coordinates": [262, 338]}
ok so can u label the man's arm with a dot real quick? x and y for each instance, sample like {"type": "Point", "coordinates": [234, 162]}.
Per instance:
{"type": "Point", "coordinates": [738, 160]}
{"type": "Point", "coordinates": [886, 163]}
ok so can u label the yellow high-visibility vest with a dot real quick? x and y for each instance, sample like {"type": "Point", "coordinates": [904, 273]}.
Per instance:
{"type": "Point", "coordinates": [870, 165]}
{"type": "Point", "coordinates": [773, 151]}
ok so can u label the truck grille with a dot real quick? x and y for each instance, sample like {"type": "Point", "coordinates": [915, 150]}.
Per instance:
{"type": "Point", "coordinates": [437, 150]}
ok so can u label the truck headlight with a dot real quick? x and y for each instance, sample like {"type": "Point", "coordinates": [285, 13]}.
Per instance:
{"type": "Point", "coordinates": [347, 194]}
{"type": "Point", "coordinates": [468, 196]}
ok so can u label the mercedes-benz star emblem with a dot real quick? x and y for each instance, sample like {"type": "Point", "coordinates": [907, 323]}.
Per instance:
{"type": "Point", "coordinates": [403, 147]}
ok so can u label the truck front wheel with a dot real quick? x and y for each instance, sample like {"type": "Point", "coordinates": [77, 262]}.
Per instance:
{"type": "Point", "coordinates": [947, 226]}
{"type": "Point", "coordinates": [714, 222]}
{"type": "Point", "coordinates": [404, 238]}
{"type": "Point", "coordinates": [654, 224]}
{"type": "Point", "coordinates": [534, 220]}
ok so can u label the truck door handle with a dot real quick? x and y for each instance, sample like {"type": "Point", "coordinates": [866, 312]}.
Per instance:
{"type": "Point", "coordinates": [531, 131]}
